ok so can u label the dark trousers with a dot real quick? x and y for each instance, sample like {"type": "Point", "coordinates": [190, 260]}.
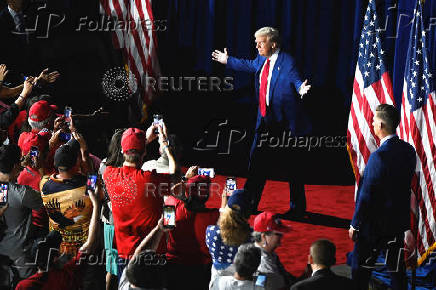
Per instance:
{"type": "Point", "coordinates": [365, 253]}
{"type": "Point", "coordinates": [273, 154]}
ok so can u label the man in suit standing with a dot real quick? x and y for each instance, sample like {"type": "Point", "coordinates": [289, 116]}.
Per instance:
{"type": "Point", "coordinates": [280, 114]}
{"type": "Point", "coordinates": [382, 212]}
{"type": "Point", "coordinates": [322, 256]}
{"type": "Point", "coordinates": [18, 49]}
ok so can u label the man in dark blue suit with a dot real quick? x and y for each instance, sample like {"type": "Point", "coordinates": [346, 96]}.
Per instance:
{"type": "Point", "coordinates": [382, 212]}
{"type": "Point", "coordinates": [280, 114]}
{"type": "Point", "coordinates": [321, 257]}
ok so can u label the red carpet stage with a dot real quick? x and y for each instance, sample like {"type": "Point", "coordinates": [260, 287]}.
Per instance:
{"type": "Point", "coordinates": [330, 209]}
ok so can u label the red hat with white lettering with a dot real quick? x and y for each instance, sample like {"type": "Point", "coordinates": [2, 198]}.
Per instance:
{"type": "Point", "coordinates": [269, 222]}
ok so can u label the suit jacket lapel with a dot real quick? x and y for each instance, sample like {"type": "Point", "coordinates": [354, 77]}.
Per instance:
{"type": "Point", "coordinates": [257, 76]}
{"type": "Point", "coordinates": [275, 76]}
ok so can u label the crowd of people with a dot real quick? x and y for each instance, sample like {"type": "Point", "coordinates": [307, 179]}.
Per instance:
{"type": "Point", "coordinates": [59, 232]}
{"type": "Point", "coordinates": [145, 223]}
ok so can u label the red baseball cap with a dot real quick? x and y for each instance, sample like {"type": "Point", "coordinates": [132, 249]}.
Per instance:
{"type": "Point", "coordinates": [268, 222]}
{"type": "Point", "coordinates": [198, 187]}
{"type": "Point", "coordinates": [133, 138]}
{"type": "Point", "coordinates": [41, 110]}
{"type": "Point", "coordinates": [30, 139]}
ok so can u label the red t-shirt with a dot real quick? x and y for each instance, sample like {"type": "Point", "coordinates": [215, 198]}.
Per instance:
{"type": "Point", "coordinates": [69, 277]}
{"type": "Point", "coordinates": [137, 201]}
{"type": "Point", "coordinates": [31, 177]}
{"type": "Point", "coordinates": [15, 127]}
{"type": "Point", "coordinates": [187, 242]}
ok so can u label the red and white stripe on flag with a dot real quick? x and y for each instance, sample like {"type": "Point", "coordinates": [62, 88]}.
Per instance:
{"type": "Point", "coordinates": [135, 34]}
{"type": "Point", "coordinates": [418, 127]}
{"type": "Point", "coordinates": [372, 86]}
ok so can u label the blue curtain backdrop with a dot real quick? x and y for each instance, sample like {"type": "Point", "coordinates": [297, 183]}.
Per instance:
{"type": "Point", "coordinates": [322, 35]}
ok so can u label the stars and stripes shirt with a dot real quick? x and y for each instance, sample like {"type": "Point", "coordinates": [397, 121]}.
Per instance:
{"type": "Point", "coordinates": [222, 255]}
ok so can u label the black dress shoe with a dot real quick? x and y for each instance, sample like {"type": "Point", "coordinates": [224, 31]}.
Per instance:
{"type": "Point", "coordinates": [293, 214]}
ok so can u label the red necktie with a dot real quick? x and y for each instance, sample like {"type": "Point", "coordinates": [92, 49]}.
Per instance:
{"type": "Point", "coordinates": [263, 87]}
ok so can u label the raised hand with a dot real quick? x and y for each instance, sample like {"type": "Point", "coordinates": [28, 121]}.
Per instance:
{"type": "Point", "coordinates": [304, 88]}
{"type": "Point", "coordinates": [192, 171]}
{"type": "Point", "coordinates": [3, 72]}
{"type": "Point", "coordinates": [28, 87]}
{"type": "Point", "coordinates": [81, 140]}
{"type": "Point", "coordinates": [46, 77]}
{"type": "Point", "coordinates": [220, 56]}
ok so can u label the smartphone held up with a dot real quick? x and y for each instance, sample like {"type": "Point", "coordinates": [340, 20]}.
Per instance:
{"type": "Point", "coordinates": [157, 120]}
{"type": "Point", "coordinates": [169, 216]}
{"type": "Point", "coordinates": [4, 189]}
{"type": "Point", "coordinates": [207, 172]}
{"type": "Point", "coordinates": [230, 185]}
{"type": "Point", "coordinates": [67, 114]}
{"type": "Point", "coordinates": [91, 184]}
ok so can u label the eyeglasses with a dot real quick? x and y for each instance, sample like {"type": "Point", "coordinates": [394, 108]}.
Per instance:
{"type": "Point", "coordinates": [275, 233]}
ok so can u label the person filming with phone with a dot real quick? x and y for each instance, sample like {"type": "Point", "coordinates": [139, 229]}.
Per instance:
{"type": "Point", "coordinates": [34, 151]}
{"type": "Point", "coordinates": [68, 207]}
{"type": "Point", "coordinates": [57, 270]}
{"type": "Point", "coordinates": [15, 254]}
{"type": "Point", "coordinates": [137, 195]}
{"type": "Point", "coordinates": [187, 254]}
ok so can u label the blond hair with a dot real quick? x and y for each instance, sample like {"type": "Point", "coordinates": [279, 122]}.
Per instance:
{"type": "Point", "coordinates": [234, 228]}
{"type": "Point", "coordinates": [271, 33]}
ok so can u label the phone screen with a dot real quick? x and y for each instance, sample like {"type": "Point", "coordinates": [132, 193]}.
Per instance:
{"type": "Point", "coordinates": [67, 113]}
{"type": "Point", "coordinates": [65, 137]}
{"type": "Point", "coordinates": [261, 280]}
{"type": "Point", "coordinates": [207, 172]}
{"type": "Point", "coordinates": [230, 185]}
{"type": "Point", "coordinates": [92, 182]}
{"type": "Point", "coordinates": [169, 216]}
{"type": "Point", "coordinates": [157, 120]}
{"type": "Point", "coordinates": [4, 188]}
{"type": "Point", "coordinates": [34, 151]}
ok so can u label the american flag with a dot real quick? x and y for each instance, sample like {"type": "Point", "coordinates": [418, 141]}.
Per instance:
{"type": "Point", "coordinates": [418, 127]}
{"type": "Point", "coordinates": [137, 39]}
{"type": "Point", "coordinates": [372, 86]}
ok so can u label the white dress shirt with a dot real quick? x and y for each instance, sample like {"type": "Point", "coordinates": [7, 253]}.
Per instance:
{"type": "Point", "coordinates": [387, 138]}
{"type": "Point", "coordinates": [272, 61]}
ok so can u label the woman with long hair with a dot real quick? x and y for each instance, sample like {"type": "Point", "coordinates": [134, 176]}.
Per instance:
{"type": "Point", "coordinates": [115, 158]}
{"type": "Point", "coordinates": [232, 230]}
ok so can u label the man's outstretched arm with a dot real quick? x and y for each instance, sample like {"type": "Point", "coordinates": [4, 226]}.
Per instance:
{"type": "Point", "coordinates": [235, 63]}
